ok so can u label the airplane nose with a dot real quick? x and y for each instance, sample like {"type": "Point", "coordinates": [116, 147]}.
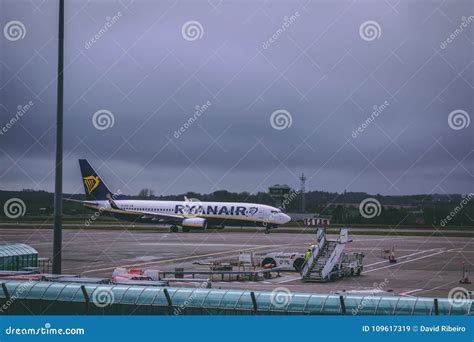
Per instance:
{"type": "Point", "coordinates": [283, 218]}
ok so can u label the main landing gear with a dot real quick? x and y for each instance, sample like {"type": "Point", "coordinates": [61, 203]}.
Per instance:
{"type": "Point", "coordinates": [175, 229]}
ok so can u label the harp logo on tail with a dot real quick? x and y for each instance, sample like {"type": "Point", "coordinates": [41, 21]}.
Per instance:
{"type": "Point", "coordinates": [91, 182]}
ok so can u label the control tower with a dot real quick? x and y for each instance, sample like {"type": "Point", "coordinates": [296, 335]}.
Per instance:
{"type": "Point", "coordinates": [303, 193]}
{"type": "Point", "coordinates": [279, 192]}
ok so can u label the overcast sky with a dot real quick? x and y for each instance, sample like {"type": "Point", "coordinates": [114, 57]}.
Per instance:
{"type": "Point", "coordinates": [319, 66]}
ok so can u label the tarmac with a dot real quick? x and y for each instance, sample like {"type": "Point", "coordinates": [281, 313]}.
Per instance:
{"type": "Point", "coordinates": [426, 265]}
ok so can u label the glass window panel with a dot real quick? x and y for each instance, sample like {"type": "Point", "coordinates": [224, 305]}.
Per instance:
{"type": "Point", "coordinates": [332, 305]}
{"type": "Point", "coordinates": [231, 299]}
{"type": "Point", "coordinates": [298, 302]}
{"type": "Point", "coordinates": [315, 304]}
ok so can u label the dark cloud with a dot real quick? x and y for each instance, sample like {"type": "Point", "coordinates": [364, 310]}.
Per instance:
{"type": "Point", "coordinates": [308, 58]}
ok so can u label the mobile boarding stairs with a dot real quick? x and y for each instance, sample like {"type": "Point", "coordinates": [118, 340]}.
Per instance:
{"type": "Point", "coordinates": [329, 262]}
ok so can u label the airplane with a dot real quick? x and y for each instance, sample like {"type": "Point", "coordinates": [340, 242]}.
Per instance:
{"type": "Point", "coordinates": [188, 214]}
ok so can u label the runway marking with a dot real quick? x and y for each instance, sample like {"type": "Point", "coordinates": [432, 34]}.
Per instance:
{"type": "Point", "coordinates": [437, 287]}
{"type": "Point", "coordinates": [382, 238]}
{"type": "Point", "coordinates": [175, 259]}
{"type": "Point", "coordinates": [288, 280]}
{"type": "Point", "coordinates": [407, 255]}
{"type": "Point", "coordinates": [200, 245]}
{"type": "Point", "coordinates": [404, 262]}
{"type": "Point", "coordinates": [408, 292]}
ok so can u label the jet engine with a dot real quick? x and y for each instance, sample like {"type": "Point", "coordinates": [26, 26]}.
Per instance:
{"type": "Point", "coordinates": [194, 222]}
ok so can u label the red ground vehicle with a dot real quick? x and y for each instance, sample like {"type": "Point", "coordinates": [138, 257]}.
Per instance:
{"type": "Point", "coordinates": [122, 274]}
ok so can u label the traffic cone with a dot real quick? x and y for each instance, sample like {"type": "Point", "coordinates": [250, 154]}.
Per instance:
{"type": "Point", "coordinates": [465, 276]}
{"type": "Point", "coordinates": [391, 258]}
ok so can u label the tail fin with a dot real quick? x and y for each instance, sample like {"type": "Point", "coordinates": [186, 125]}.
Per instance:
{"type": "Point", "coordinates": [94, 186]}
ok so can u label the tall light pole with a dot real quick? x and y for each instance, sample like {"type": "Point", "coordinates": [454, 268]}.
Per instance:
{"type": "Point", "coordinates": [58, 182]}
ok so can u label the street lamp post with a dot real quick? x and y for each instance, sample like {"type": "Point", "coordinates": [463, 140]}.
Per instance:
{"type": "Point", "coordinates": [58, 183]}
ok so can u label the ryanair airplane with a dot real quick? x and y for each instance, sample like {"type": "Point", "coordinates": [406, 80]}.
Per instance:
{"type": "Point", "coordinates": [187, 214]}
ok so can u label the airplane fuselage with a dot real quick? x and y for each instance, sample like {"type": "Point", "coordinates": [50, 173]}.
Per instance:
{"type": "Point", "coordinates": [215, 213]}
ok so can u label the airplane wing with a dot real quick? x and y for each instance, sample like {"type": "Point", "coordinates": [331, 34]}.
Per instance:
{"type": "Point", "coordinates": [147, 214]}
{"type": "Point", "coordinates": [114, 209]}
{"type": "Point", "coordinates": [77, 201]}
{"type": "Point", "coordinates": [159, 217]}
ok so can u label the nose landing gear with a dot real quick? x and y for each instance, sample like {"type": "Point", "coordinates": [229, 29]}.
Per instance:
{"type": "Point", "coordinates": [268, 228]}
